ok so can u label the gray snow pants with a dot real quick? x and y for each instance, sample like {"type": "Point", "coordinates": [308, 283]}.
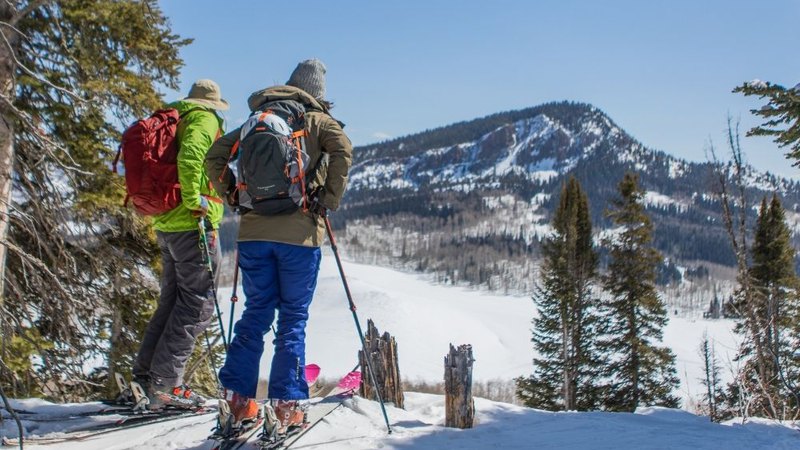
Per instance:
{"type": "Point", "coordinates": [185, 307]}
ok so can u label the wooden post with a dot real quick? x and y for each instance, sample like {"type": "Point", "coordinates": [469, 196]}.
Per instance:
{"type": "Point", "coordinates": [383, 359]}
{"type": "Point", "coordinates": [459, 405]}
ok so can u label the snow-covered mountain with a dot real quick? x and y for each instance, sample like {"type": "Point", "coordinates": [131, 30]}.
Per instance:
{"type": "Point", "coordinates": [537, 148]}
{"type": "Point", "coordinates": [471, 201]}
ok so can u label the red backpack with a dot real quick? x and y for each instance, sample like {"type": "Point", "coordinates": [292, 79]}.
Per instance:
{"type": "Point", "coordinates": [149, 151]}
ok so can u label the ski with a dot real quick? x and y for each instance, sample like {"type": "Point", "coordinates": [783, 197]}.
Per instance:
{"type": "Point", "coordinates": [240, 440]}
{"type": "Point", "coordinates": [130, 405]}
{"type": "Point", "coordinates": [46, 417]}
{"type": "Point", "coordinates": [34, 416]}
{"type": "Point", "coordinates": [128, 422]}
{"type": "Point", "coordinates": [272, 439]}
{"type": "Point", "coordinates": [122, 405]}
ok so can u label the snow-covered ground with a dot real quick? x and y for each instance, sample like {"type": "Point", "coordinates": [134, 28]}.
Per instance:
{"type": "Point", "coordinates": [425, 319]}
{"type": "Point", "coordinates": [359, 426]}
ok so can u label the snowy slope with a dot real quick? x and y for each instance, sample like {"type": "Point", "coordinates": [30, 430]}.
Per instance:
{"type": "Point", "coordinates": [539, 148]}
{"type": "Point", "coordinates": [358, 425]}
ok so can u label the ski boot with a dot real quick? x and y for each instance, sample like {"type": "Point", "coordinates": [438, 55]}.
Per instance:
{"type": "Point", "coordinates": [242, 409]}
{"type": "Point", "coordinates": [283, 418]}
{"type": "Point", "coordinates": [237, 415]}
{"type": "Point", "coordinates": [289, 414]}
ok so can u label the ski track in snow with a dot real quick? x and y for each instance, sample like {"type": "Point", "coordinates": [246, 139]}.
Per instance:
{"type": "Point", "coordinates": [425, 318]}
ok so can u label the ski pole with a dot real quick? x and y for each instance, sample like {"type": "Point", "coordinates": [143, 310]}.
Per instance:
{"type": "Point", "coordinates": [355, 318]}
{"type": "Point", "coordinates": [234, 296]}
{"type": "Point", "coordinates": [211, 358]}
{"type": "Point", "coordinates": [201, 225]}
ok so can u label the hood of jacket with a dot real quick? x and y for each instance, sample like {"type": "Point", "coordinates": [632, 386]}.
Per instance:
{"type": "Point", "coordinates": [273, 93]}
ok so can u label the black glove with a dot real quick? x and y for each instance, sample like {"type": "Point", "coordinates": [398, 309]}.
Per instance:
{"type": "Point", "coordinates": [315, 206]}
{"type": "Point", "coordinates": [318, 209]}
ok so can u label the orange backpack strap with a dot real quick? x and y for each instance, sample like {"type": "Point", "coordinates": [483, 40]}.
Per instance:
{"type": "Point", "coordinates": [211, 198]}
{"type": "Point", "coordinates": [234, 149]}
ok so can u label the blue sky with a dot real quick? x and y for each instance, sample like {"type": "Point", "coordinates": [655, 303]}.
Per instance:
{"type": "Point", "coordinates": [662, 70]}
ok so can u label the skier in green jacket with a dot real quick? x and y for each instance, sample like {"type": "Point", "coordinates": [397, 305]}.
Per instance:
{"type": "Point", "coordinates": [186, 303]}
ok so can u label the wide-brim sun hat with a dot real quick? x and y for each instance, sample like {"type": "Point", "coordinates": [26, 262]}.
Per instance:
{"type": "Point", "coordinates": [206, 93]}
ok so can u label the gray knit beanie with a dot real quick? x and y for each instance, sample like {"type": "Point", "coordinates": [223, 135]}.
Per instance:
{"type": "Point", "coordinates": [310, 77]}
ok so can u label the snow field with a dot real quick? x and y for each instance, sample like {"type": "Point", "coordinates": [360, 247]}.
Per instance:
{"type": "Point", "coordinates": [426, 318]}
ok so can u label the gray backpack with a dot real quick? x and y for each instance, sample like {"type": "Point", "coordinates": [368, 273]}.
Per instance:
{"type": "Point", "coordinates": [272, 163]}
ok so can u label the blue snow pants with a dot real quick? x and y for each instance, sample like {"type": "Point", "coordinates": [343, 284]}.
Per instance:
{"type": "Point", "coordinates": [275, 277]}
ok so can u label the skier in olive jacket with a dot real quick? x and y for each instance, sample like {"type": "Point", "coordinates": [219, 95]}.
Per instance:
{"type": "Point", "coordinates": [279, 255]}
{"type": "Point", "coordinates": [186, 302]}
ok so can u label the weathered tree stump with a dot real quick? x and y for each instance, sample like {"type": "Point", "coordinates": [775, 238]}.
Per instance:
{"type": "Point", "coordinates": [383, 360]}
{"type": "Point", "coordinates": [459, 405]}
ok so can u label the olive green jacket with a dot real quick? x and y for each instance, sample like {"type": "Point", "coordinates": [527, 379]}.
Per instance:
{"type": "Point", "coordinates": [325, 136]}
{"type": "Point", "coordinates": [196, 132]}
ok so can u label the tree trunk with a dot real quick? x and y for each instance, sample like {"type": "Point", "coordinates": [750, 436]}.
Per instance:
{"type": "Point", "coordinates": [567, 361]}
{"type": "Point", "coordinates": [7, 89]}
{"type": "Point", "coordinates": [382, 351]}
{"type": "Point", "coordinates": [459, 405]}
{"type": "Point", "coordinates": [114, 350]}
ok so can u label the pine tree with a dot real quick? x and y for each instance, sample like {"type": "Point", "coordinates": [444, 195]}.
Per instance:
{"type": "Point", "coordinates": [79, 272]}
{"type": "Point", "coordinates": [565, 334]}
{"type": "Point", "coordinates": [782, 113]}
{"type": "Point", "coordinates": [774, 314]}
{"type": "Point", "coordinates": [711, 379]}
{"type": "Point", "coordinates": [643, 373]}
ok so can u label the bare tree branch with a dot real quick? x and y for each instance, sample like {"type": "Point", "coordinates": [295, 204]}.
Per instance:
{"type": "Point", "coordinates": [35, 262]}
{"type": "Point", "coordinates": [34, 74]}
